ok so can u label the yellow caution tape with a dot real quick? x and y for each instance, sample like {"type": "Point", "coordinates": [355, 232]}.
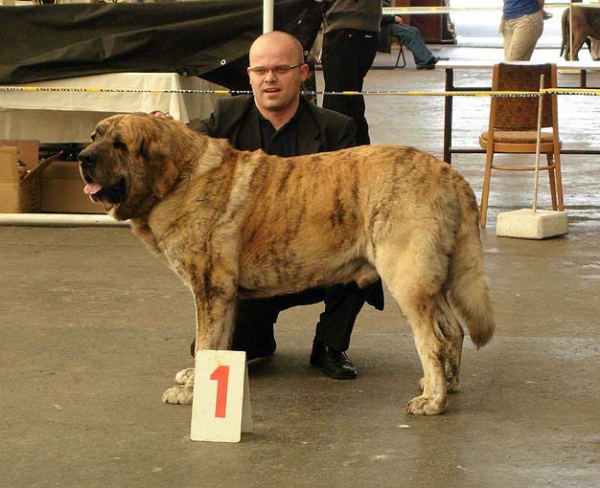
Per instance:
{"type": "Point", "coordinates": [456, 93]}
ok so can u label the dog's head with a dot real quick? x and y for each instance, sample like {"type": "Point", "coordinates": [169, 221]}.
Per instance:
{"type": "Point", "coordinates": [131, 163]}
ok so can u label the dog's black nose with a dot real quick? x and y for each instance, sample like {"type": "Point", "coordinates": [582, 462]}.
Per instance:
{"type": "Point", "coordinates": [86, 159]}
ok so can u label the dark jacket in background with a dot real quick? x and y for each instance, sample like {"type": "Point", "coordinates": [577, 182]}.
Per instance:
{"type": "Point", "coordinates": [236, 119]}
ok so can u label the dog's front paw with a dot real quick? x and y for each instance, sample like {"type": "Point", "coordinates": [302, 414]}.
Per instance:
{"type": "Point", "coordinates": [179, 395]}
{"type": "Point", "coordinates": [423, 405]}
{"type": "Point", "coordinates": [185, 376]}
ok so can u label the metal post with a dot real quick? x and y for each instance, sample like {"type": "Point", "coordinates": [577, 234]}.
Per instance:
{"type": "Point", "coordinates": [268, 15]}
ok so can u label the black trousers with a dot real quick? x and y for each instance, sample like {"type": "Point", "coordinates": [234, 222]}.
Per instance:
{"type": "Point", "coordinates": [255, 320]}
{"type": "Point", "coordinates": [347, 56]}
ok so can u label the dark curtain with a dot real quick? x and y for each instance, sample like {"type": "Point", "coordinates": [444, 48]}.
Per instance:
{"type": "Point", "coordinates": [209, 39]}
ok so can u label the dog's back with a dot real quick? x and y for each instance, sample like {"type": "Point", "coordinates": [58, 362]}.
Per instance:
{"type": "Point", "coordinates": [323, 219]}
{"type": "Point", "coordinates": [350, 199]}
{"type": "Point", "coordinates": [586, 24]}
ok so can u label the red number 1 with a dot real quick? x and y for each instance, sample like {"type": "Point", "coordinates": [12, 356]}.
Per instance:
{"type": "Point", "coordinates": [221, 375]}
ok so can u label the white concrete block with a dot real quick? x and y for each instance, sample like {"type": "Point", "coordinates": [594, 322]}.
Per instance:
{"type": "Point", "coordinates": [527, 224]}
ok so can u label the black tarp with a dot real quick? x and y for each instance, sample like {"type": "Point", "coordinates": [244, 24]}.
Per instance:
{"type": "Point", "coordinates": [209, 39]}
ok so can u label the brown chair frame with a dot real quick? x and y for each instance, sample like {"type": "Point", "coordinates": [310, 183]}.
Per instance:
{"type": "Point", "coordinates": [513, 126]}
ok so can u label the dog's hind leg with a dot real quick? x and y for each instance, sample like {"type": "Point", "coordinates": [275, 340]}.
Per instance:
{"type": "Point", "coordinates": [415, 283]}
{"type": "Point", "coordinates": [451, 329]}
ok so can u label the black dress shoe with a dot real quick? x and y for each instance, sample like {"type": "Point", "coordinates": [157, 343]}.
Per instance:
{"type": "Point", "coordinates": [337, 365]}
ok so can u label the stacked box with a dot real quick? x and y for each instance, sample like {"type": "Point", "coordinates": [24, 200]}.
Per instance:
{"type": "Point", "coordinates": [51, 185]}
{"type": "Point", "coordinates": [62, 190]}
{"type": "Point", "coordinates": [10, 187]}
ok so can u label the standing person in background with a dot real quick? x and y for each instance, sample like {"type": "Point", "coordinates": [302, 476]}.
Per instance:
{"type": "Point", "coordinates": [350, 38]}
{"type": "Point", "coordinates": [521, 26]}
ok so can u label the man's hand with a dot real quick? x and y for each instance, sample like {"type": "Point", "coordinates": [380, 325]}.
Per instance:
{"type": "Point", "coordinates": [161, 115]}
{"type": "Point", "coordinates": [398, 19]}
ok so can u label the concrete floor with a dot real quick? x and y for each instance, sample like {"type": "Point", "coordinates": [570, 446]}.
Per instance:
{"type": "Point", "coordinates": [94, 329]}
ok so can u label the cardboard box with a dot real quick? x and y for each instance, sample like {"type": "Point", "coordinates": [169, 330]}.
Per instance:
{"type": "Point", "coordinates": [19, 191]}
{"type": "Point", "coordinates": [50, 186]}
{"type": "Point", "coordinates": [28, 151]}
{"type": "Point", "coordinates": [9, 163]}
{"type": "Point", "coordinates": [62, 190]}
{"type": "Point", "coordinates": [10, 191]}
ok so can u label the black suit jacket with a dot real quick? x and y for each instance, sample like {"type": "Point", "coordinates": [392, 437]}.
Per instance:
{"type": "Point", "coordinates": [236, 119]}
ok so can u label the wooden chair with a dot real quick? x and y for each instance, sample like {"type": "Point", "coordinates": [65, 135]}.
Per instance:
{"type": "Point", "coordinates": [513, 126]}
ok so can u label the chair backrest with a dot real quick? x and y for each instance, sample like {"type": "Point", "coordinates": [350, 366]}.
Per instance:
{"type": "Point", "coordinates": [521, 113]}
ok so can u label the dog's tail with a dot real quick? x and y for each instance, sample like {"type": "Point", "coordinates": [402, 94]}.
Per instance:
{"type": "Point", "coordinates": [468, 286]}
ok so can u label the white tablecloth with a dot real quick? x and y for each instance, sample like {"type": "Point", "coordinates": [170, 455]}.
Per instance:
{"type": "Point", "coordinates": [70, 116]}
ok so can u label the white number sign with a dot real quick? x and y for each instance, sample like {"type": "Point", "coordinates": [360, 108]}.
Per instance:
{"type": "Point", "coordinates": [221, 409]}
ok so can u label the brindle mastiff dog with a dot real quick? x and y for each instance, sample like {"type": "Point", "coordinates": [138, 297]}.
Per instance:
{"type": "Point", "coordinates": [238, 224]}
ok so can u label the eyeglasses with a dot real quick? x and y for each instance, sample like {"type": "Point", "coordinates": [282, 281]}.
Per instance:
{"type": "Point", "coordinates": [280, 70]}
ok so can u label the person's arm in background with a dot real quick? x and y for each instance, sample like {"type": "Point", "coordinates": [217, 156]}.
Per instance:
{"type": "Point", "coordinates": [204, 126]}
{"type": "Point", "coordinates": [545, 15]}
{"type": "Point", "coordinates": [198, 125]}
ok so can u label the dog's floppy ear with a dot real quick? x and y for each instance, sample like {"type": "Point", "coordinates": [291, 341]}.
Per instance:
{"type": "Point", "coordinates": [161, 169]}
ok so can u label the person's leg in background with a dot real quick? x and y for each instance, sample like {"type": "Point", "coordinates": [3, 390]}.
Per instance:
{"type": "Point", "coordinates": [254, 328]}
{"type": "Point", "coordinates": [255, 319]}
{"type": "Point", "coordinates": [521, 36]}
{"type": "Point", "coordinates": [332, 336]}
{"type": "Point", "coordinates": [411, 38]}
{"type": "Point", "coordinates": [347, 56]}
{"type": "Point", "coordinates": [506, 32]}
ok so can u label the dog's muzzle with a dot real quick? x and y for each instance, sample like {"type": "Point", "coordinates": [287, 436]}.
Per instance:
{"type": "Point", "coordinates": [113, 192]}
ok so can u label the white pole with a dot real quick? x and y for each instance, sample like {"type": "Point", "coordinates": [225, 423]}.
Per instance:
{"type": "Point", "coordinates": [268, 15]}
{"type": "Point", "coordinates": [570, 30]}
{"type": "Point", "coordinates": [538, 144]}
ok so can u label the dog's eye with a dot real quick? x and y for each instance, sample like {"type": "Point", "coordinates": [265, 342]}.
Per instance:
{"type": "Point", "coordinates": [119, 144]}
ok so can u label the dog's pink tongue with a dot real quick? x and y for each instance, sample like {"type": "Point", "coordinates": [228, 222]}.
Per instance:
{"type": "Point", "coordinates": [92, 188]}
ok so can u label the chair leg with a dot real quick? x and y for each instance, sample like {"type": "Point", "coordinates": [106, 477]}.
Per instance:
{"type": "Point", "coordinates": [400, 55]}
{"type": "Point", "coordinates": [485, 194]}
{"type": "Point", "coordinates": [551, 178]}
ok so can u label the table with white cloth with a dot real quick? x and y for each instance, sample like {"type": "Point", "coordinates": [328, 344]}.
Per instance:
{"type": "Point", "coordinates": [70, 116]}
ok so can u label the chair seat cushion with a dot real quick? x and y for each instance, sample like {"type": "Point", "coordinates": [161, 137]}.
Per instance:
{"type": "Point", "coordinates": [517, 137]}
